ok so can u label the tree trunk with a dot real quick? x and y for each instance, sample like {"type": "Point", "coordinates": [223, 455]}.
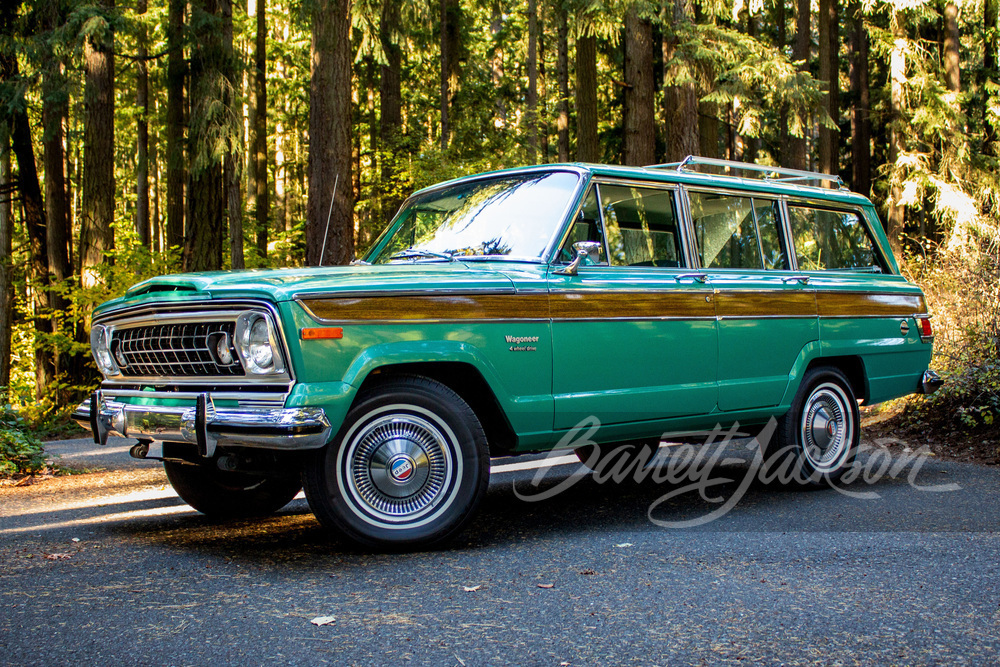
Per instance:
{"type": "Point", "coordinates": [96, 225]}
{"type": "Point", "coordinates": [796, 147]}
{"type": "Point", "coordinates": [680, 96]}
{"type": "Point", "coordinates": [640, 136]}
{"type": "Point", "coordinates": [532, 81]}
{"type": "Point", "coordinates": [206, 197]}
{"type": "Point", "coordinates": [562, 82]}
{"type": "Point", "coordinates": [6, 266]}
{"type": "Point", "coordinates": [861, 152]}
{"type": "Point", "coordinates": [587, 147]}
{"type": "Point", "coordinates": [950, 56]}
{"type": "Point", "coordinates": [330, 221]}
{"type": "Point", "coordinates": [263, 206]}
{"type": "Point", "coordinates": [176, 176]}
{"type": "Point", "coordinates": [989, 71]}
{"type": "Point", "coordinates": [231, 171]}
{"type": "Point", "coordinates": [829, 71]}
{"type": "Point", "coordinates": [142, 133]}
{"type": "Point", "coordinates": [896, 219]}
{"type": "Point", "coordinates": [391, 105]}
{"type": "Point", "coordinates": [450, 45]}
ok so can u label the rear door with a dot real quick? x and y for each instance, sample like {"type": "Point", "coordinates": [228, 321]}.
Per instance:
{"type": "Point", "coordinates": [766, 313]}
{"type": "Point", "coordinates": [634, 331]}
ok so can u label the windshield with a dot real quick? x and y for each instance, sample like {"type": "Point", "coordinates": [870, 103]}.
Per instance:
{"type": "Point", "coordinates": [511, 216]}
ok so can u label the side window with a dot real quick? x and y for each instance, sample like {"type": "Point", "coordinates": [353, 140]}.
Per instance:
{"type": "Point", "coordinates": [770, 241]}
{"type": "Point", "coordinates": [724, 231]}
{"type": "Point", "coordinates": [641, 226]}
{"type": "Point", "coordinates": [586, 227]}
{"type": "Point", "coordinates": [833, 240]}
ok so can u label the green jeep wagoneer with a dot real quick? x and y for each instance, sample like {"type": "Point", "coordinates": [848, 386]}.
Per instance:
{"type": "Point", "coordinates": [497, 312]}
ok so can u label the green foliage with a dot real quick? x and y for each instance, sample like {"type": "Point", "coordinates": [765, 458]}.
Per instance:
{"type": "Point", "coordinates": [21, 452]}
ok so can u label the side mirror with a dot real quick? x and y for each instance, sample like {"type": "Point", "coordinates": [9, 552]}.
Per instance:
{"type": "Point", "coordinates": [584, 250]}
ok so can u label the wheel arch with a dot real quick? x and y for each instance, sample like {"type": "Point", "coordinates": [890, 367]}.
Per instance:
{"type": "Point", "coordinates": [853, 368]}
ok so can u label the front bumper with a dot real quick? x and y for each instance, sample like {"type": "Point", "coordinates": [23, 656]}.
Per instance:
{"type": "Point", "coordinates": [204, 425]}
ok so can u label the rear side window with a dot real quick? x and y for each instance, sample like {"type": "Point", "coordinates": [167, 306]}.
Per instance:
{"type": "Point", "coordinates": [827, 239]}
{"type": "Point", "coordinates": [641, 225]}
{"type": "Point", "coordinates": [734, 232]}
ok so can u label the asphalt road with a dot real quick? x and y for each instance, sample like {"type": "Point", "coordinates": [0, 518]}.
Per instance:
{"type": "Point", "coordinates": [110, 567]}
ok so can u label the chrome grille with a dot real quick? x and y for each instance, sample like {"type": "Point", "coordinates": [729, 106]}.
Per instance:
{"type": "Point", "coordinates": [174, 350]}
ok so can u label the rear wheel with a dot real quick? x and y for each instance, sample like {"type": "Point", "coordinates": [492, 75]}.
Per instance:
{"type": "Point", "coordinates": [817, 439]}
{"type": "Point", "coordinates": [225, 494]}
{"type": "Point", "coordinates": [408, 467]}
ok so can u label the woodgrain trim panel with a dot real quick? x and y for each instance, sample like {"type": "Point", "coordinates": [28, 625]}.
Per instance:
{"type": "Point", "coordinates": [869, 304]}
{"type": "Point", "coordinates": [423, 308]}
{"type": "Point", "coordinates": [621, 304]}
{"type": "Point", "coordinates": [776, 303]}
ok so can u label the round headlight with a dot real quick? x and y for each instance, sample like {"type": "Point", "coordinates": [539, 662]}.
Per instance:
{"type": "Point", "coordinates": [99, 335]}
{"type": "Point", "coordinates": [259, 350]}
{"type": "Point", "coordinates": [255, 341]}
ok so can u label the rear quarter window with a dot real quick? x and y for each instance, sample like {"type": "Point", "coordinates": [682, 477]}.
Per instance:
{"type": "Point", "coordinates": [832, 239]}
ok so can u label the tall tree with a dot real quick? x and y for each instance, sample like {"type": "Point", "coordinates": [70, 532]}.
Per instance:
{"type": "Point", "coordinates": [989, 71]}
{"type": "Point", "coordinates": [330, 221]}
{"type": "Point", "coordinates": [97, 219]}
{"type": "Point", "coordinates": [207, 132]}
{"type": "Point", "coordinates": [391, 106]}
{"type": "Point", "coordinates": [950, 48]}
{"type": "Point", "coordinates": [640, 138]}
{"type": "Point", "coordinates": [6, 263]}
{"type": "Point", "coordinates": [231, 169]}
{"type": "Point", "coordinates": [176, 172]}
{"type": "Point", "coordinates": [861, 152]}
{"type": "Point", "coordinates": [895, 220]}
{"type": "Point", "coordinates": [451, 16]}
{"type": "Point", "coordinates": [680, 95]}
{"type": "Point", "coordinates": [829, 71]}
{"type": "Point", "coordinates": [262, 205]}
{"type": "Point", "coordinates": [795, 150]}
{"type": "Point", "coordinates": [562, 83]}
{"type": "Point", "coordinates": [532, 81]}
{"type": "Point", "coordinates": [142, 130]}
{"type": "Point", "coordinates": [587, 147]}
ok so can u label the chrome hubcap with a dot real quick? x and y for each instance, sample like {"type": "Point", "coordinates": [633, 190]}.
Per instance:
{"type": "Point", "coordinates": [827, 427]}
{"type": "Point", "coordinates": [399, 466]}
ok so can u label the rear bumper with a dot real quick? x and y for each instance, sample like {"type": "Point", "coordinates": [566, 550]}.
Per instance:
{"type": "Point", "coordinates": [204, 425]}
{"type": "Point", "coordinates": [929, 383]}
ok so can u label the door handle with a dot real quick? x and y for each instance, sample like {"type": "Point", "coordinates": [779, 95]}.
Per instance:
{"type": "Point", "coordinates": [699, 277]}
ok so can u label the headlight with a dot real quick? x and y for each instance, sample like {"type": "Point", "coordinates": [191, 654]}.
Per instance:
{"type": "Point", "coordinates": [100, 347]}
{"type": "Point", "coordinates": [257, 344]}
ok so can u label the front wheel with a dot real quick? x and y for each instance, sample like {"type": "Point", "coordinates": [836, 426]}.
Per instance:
{"type": "Point", "coordinates": [225, 495]}
{"type": "Point", "coordinates": [408, 467]}
{"type": "Point", "coordinates": [817, 439]}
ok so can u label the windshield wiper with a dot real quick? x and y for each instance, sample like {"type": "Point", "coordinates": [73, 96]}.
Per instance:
{"type": "Point", "coordinates": [411, 253]}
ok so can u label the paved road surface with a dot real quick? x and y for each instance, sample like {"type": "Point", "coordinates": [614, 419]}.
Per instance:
{"type": "Point", "coordinates": [907, 577]}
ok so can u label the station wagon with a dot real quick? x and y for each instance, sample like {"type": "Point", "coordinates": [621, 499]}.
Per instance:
{"type": "Point", "coordinates": [495, 314]}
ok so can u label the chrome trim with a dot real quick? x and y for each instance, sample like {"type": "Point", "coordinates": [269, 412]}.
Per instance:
{"type": "Point", "coordinates": [286, 429]}
{"type": "Point", "coordinates": [930, 382]}
{"type": "Point", "coordinates": [246, 398]}
{"type": "Point", "coordinates": [299, 297]}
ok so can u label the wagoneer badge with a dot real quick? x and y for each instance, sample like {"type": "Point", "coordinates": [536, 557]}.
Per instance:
{"type": "Point", "coordinates": [518, 343]}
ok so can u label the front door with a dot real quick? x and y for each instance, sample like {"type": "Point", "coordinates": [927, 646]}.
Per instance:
{"type": "Point", "coordinates": [634, 334]}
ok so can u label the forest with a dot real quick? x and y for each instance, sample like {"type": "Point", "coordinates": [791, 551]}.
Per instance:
{"type": "Point", "coordinates": [142, 137]}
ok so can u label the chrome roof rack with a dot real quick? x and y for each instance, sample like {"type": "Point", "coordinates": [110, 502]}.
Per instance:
{"type": "Point", "coordinates": [766, 172]}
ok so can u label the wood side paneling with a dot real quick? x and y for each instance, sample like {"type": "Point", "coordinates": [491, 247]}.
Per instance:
{"type": "Point", "coordinates": [747, 303]}
{"type": "Point", "coordinates": [862, 304]}
{"type": "Point", "coordinates": [611, 304]}
{"type": "Point", "coordinates": [430, 307]}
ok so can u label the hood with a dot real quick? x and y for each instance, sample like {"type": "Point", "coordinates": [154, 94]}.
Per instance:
{"type": "Point", "coordinates": [285, 284]}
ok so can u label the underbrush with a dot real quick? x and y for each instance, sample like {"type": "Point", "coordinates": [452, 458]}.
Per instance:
{"type": "Point", "coordinates": [21, 451]}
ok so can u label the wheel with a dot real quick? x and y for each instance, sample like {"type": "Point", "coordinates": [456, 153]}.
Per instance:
{"type": "Point", "coordinates": [223, 494]}
{"type": "Point", "coordinates": [408, 467]}
{"type": "Point", "coordinates": [817, 439]}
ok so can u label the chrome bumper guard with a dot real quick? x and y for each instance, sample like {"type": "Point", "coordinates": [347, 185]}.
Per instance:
{"type": "Point", "coordinates": [930, 382]}
{"type": "Point", "coordinates": [205, 425]}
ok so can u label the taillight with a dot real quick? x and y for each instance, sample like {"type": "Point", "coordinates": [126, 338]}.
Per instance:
{"type": "Point", "coordinates": [926, 332]}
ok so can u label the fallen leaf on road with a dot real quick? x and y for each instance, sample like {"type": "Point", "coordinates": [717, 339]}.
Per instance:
{"type": "Point", "coordinates": [546, 585]}
{"type": "Point", "coordinates": [623, 545]}
{"type": "Point", "coordinates": [587, 571]}
{"type": "Point", "coordinates": [75, 539]}
{"type": "Point", "coordinates": [324, 620]}
{"type": "Point", "coordinates": [471, 589]}
{"type": "Point", "coordinates": [58, 556]}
